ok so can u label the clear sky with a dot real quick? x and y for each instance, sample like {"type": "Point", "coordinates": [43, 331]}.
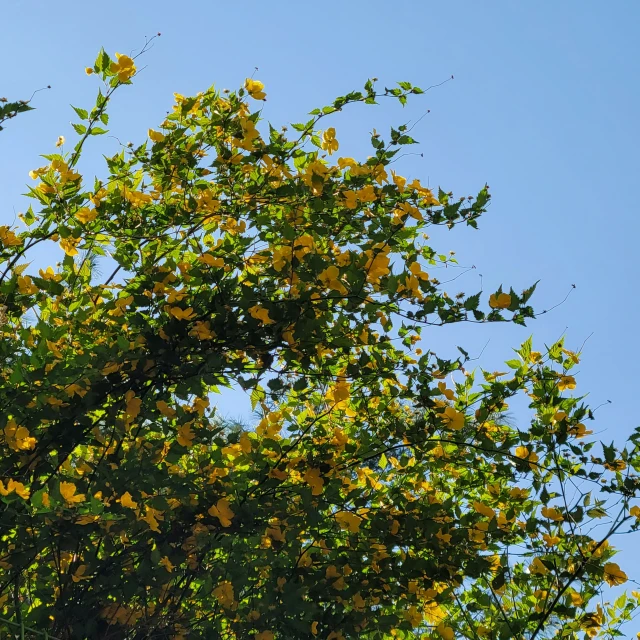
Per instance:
{"type": "Point", "coordinates": [544, 108]}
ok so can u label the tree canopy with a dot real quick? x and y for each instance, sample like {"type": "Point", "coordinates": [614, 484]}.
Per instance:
{"type": "Point", "coordinates": [383, 492]}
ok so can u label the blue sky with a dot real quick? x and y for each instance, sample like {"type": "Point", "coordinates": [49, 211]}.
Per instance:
{"type": "Point", "coordinates": [543, 108]}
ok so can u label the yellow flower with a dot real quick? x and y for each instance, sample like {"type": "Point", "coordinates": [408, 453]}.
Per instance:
{"type": "Point", "coordinates": [314, 480]}
{"type": "Point", "coordinates": [68, 245]}
{"type": "Point", "coordinates": [500, 301]}
{"type": "Point", "coordinates": [453, 419]}
{"type": "Point", "coordinates": [181, 314]}
{"type": "Point", "coordinates": [60, 141]}
{"type": "Point", "coordinates": [88, 70]}
{"type": "Point", "coordinates": [549, 540]}
{"type": "Point", "coordinates": [18, 437]}
{"type": "Point", "coordinates": [399, 181]}
{"type": "Point", "coordinates": [330, 278]}
{"type": "Point", "coordinates": [8, 237]}
{"type": "Point", "coordinates": [68, 492]}
{"type": "Point", "coordinates": [12, 486]}
{"type": "Point", "coordinates": [26, 286]}
{"type": "Point", "coordinates": [222, 511]}
{"type": "Point", "coordinates": [255, 89]}
{"type": "Point", "coordinates": [538, 567]}
{"type": "Point", "coordinates": [264, 635]}
{"type": "Point", "coordinates": [413, 616]}
{"type": "Point", "coordinates": [224, 593]}
{"type": "Point", "coordinates": [329, 142]}
{"type": "Point", "coordinates": [551, 513]}
{"type": "Point", "coordinates": [445, 632]}
{"type": "Point", "coordinates": [124, 68]}
{"type": "Point", "coordinates": [613, 574]}
{"type": "Point", "coordinates": [185, 435]}
{"type": "Point", "coordinates": [350, 199]}
{"type": "Point", "coordinates": [86, 215]}
{"type": "Point", "coordinates": [566, 382]}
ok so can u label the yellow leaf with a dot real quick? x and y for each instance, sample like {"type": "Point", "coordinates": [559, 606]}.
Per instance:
{"type": "Point", "coordinates": [155, 136]}
{"type": "Point", "coordinates": [348, 520]}
{"type": "Point", "coordinates": [211, 261]}
{"type": "Point", "coordinates": [260, 313]}
{"type": "Point", "coordinates": [132, 408]}
{"type": "Point", "coordinates": [151, 517]}
{"type": "Point", "coordinates": [331, 572]}
{"type": "Point", "coordinates": [203, 330]}
{"type": "Point", "coordinates": [79, 573]}
{"type": "Point", "coordinates": [165, 409]}
{"type": "Point", "coordinates": [127, 501]}
{"type": "Point", "coordinates": [166, 563]}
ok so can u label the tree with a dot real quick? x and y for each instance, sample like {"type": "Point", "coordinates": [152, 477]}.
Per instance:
{"type": "Point", "coordinates": [383, 493]}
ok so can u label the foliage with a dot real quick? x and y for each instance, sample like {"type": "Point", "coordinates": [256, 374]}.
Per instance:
{"type": "Point", "coordinates": [10, 110]}
{"type": "Point", "coordinates": [383, 492]}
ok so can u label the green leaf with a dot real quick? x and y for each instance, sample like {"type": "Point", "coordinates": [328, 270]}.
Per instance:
{"type": "Point", "coordinates": [83, 114]}
{"type": "Point", "coordinates": [103, 62]}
